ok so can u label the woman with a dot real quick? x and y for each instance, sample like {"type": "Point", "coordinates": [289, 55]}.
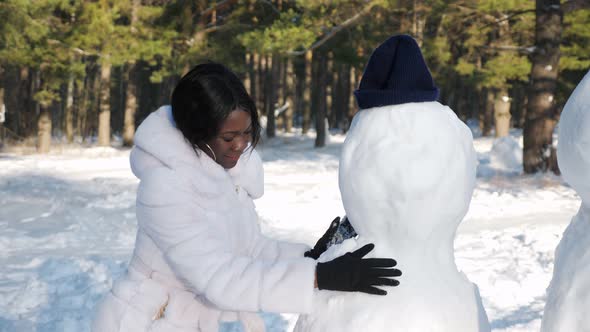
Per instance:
{"type": "Point", "coordinates": [199, 255]}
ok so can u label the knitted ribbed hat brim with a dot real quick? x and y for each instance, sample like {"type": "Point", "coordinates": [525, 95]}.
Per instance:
{"type": "Point", "coordinates": [377, 98]}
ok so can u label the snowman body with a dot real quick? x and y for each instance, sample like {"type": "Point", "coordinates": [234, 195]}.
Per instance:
{"type": "Point", "coordinates": [568, 296]}
{"type": "Point", "coordinates": [407, 173]}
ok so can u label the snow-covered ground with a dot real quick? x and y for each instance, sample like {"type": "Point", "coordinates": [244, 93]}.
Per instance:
{"type": "Point", "coordinates": [67, 226]}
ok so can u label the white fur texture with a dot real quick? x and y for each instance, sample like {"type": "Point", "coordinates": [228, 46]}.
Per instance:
{"type": "Point", "coordinates": [199, 251]}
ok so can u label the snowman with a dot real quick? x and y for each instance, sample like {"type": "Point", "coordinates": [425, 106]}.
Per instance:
{"type": "Point", "coordinates": [568, 295]}
{"type": "Point", "coordinates": [407, 173]}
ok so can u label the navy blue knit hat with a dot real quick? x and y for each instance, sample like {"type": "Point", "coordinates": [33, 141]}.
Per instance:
{"type": "Point", "coordinates": [396, 74]}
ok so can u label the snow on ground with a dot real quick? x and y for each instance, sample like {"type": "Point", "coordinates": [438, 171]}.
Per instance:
{"type": "Point", "coordinates": [68, 228]}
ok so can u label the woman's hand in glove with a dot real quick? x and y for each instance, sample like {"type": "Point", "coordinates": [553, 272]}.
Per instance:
{"type": "Point", "coordinates": [353, 273]}
{"type": "Point", "coordinates": [322, 243]}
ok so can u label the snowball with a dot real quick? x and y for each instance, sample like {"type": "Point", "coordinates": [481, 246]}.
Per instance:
{"type": "Point", "coordinates": [506, 154]}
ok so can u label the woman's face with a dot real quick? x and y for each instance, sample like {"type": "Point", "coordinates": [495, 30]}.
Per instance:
{"type": "Point", "coordinates": [232, 140]}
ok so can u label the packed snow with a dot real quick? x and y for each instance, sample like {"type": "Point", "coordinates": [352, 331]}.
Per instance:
{"type": "Point", "coordinates": [407, 174]}
{"type": "Point", "coordinates": [568, 298]}
{"type": "Point", "coordinates": [68, 229]}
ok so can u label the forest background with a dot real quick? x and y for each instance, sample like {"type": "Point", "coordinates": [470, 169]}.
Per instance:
{"type": "Point", "coordinates": [89, 71]}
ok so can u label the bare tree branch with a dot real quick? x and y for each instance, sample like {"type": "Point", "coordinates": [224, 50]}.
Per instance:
{"type": "Point", "coordinates": [520, 49]}
{"type": "Point", "coordinates": [214, 28]}
{"type": "Point", "coordinates": [349, 22]}
{"type": "Point", "coordinates": [508, 17]}
{"type": "Point", "coordinates": [217, 6]}
{"type": "Point", "coordinates": [73, 49]}
{"type": "Point", "coordinates": [224, 5]}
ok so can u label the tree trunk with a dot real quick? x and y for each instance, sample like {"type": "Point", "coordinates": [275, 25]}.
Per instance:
{"type": "Point", "coordinates": [104, 116]}
{"type": "Point", "coordinates": [448, 91]}
{"type": "Point", "coordinates": [329, 86]}
{"type": "Point", "coordinates": [2, 108]}
{"type": "Point", "coordinates": [44, 131]}
{"type": "Point", "coordinates": [272, 73]}
{"type": "Point", "coordinates": [259, 71]}
{"type": "Point", "coordinates": [58, 110]}
{"type": "Point", "coordinates": [131, 88]}
{"type": "Point", "coordinates": [264, 84]}
{"type": "Point", "coordinates": [471, 103]}
{"type": "Point", "coordinates": [315, 87]}
{"type": "Point", "coordinates": [320, 114]}
{"type": "Point", "coordinates": [352, 105]}
{"type": "Point", "coordinates": [92, 95]}
{"type": "Point", "coordinates": [117, 98]}
{"type": "Point", "coordinates": [405, 20]}
{"type": "Point", "coordinates": [502, 113]}
{"type": "Point", "coordinates": [24, 105]}
{"type": "Point", "coordinates": [462, 107]}
{"type": "Point", "coordinates": [487, 117]}
{"type": "Point", "coordinates": [289, 95]}
{"type": "Point", "coordinates": [279, 83]}
{"type": "Point", "coordinates": [541, 110]}
{"type": "Point", "coordinates": [10, 96]}
{"type": "Point", "coordinates": [418, 21]}
{"type": "Point", "coordinates": [69, 116]}
{"type": "Point", "coordinates": [502, 116]}
{"type": "Point", "coordinates": [250, 81]}
{"type": "Point", "coordinates": [336, 95]}
{"type": "Point", "coordinates": [299, 68]}
{"type": "Point", "coordinates": [344, 96]}
{"type": "Point", "coordinates": [130, 106]}
{"type": "Point", "coordinates": [518, 105]}
{"type": "Point", "coordinates": [36, 86]}
{"type": "Point", "coordinates": [82, 118]}
{"type": "Point", "coordinates": [307, 93]}
{"type": "Point", "coordinates": [480, 106]}
{"type": "Point", "coordinates": [247, 78]}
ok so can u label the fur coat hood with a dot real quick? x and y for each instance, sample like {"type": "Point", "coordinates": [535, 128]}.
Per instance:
{"type": "Point", "coordinates": [158, 142]}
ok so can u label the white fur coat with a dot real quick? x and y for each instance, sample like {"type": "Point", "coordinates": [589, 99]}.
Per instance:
{"type": "Point", "coordinates": [199, 255]}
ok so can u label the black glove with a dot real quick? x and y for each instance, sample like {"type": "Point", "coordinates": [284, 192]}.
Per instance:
{"type": "Point", "coordinates": [323, 242]}
{"type": "Point", "coordinates": [353, 273]}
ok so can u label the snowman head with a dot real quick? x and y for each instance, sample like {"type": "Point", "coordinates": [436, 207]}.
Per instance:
{"type": "Point", "coordinates": [407, 170]}
{"type": "Point", "coordinates": [408, 164]}
{"type": "Point", "coordinates": [573, 149]}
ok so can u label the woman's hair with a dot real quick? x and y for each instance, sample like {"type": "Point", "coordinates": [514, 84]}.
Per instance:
{"type": "Point", "coordinates": [204, 97]}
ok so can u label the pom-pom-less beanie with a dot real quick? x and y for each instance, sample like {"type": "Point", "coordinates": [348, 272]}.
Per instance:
{"type": "Point", "coordinates": [396, 74]}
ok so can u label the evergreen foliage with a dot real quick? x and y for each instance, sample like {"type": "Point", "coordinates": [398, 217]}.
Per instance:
{"type": "Point", "coordinates": [474, 49]}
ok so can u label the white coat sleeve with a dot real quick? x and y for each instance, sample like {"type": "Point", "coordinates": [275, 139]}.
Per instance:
{"type": "Point", "coordinates": [196, 248]}
{"type": "Point", "coordinates": [267, 248]}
